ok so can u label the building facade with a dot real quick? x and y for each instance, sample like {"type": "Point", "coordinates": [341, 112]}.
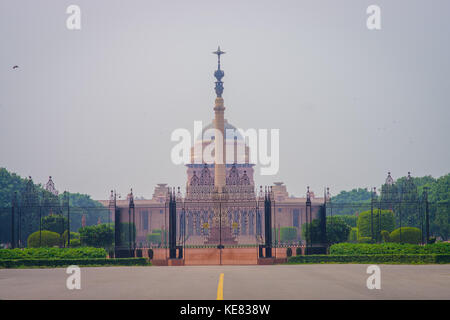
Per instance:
{"type": "Point", "coordinates": [220, 192]}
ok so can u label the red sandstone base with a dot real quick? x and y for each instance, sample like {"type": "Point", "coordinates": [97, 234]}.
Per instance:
{"type": "Point", "coordinates": [214, 256]}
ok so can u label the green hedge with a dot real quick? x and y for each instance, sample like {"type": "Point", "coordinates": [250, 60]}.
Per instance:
{"type": "Point", "coordinates": [375, 258]}
{"type": "Point", "coordinates": [8, 263]}
{"type": "Point", "coordinates": [53, 253]}
{"type": "Point", "coordinates": [388, 248]}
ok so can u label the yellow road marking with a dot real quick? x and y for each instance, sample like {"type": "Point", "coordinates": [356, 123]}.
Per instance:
{"type": "Point", "coordinates": [220, 288]}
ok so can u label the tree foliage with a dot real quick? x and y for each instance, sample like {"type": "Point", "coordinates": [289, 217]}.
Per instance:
{"type": "Point", "coordinates": [349, 219]}
{"type": "Point", "coordinates": [336, 228]}
{"type": "Point", "coordinates": [353, 235]}
{"type": "Point", "coordinates": [55, 222]}
{"type": "Point", "coordinates": [44, 239]}
{"type": "Point", "coordinates": [33, 201]}
{"type": "Point", "coordinates": [384, 218]}
{"type": "Point", "coordinates": [99, 236]}
{"type": "Point", "coordinates": [356, 196]}
{"type": "Point", "coordinates": [288, 234]}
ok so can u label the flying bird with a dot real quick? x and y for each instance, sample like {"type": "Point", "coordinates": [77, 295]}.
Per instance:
{"type": "Point", "coordinates": [15, 67]}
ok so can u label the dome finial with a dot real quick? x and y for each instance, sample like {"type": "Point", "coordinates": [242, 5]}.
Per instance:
{"type": "Point", "coordinates": [219, 74]}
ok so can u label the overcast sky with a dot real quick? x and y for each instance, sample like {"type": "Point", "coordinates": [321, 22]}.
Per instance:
{"type": "Point", "coordinates": [95, 108]}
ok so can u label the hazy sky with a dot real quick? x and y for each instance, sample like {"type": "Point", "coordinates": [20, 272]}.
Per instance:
{"type": "Point", "coordinates": [95, 108]}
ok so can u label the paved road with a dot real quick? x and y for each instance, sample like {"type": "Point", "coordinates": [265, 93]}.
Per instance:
{"type": "Point", "coordinates": [332, 281]}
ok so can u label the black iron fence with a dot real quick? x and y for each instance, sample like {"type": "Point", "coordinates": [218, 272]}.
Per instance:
{"type": "Point", "coordinates": [377, 220]}
{"type": "Point", "coordinates": [19, 222]}
{"type": "Point", "coordinates": [374, 221]}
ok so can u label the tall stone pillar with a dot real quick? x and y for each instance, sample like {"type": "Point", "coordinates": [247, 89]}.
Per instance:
{"type": "Point", "coordinates": [219, 123]}
{"type": "Point", "coordinates": [219, 148]}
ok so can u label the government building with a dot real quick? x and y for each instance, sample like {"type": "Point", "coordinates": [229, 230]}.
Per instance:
{"type": "Point", "coordinates": [220, 200]}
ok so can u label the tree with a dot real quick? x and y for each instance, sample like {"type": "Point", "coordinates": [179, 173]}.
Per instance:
{"type": "Point", "coordinates": [364, 222]}
{"type": "Point", "coordinates": [55, 222]}
{"type": "Point", "coordinates": [349, 219]}
{"type": "Point", "coordinates": [125, 229]}
{"type": "Point", "coordinates": [337, 230]}
{"type": "Point", "coordinates": [288, 234]}
{"type": "Point", "coordinates": [34, 201]}
{"type": "Point", "coordinates": [439, 198]}
{"type": "Point", "coordinates": [354, 197]}
{"type": "Point", "coordinates": [30, 203]}
{"type": "Point", "coordinates": [82, 204]}
{"type": "Point", "coordinates": [100, 236]}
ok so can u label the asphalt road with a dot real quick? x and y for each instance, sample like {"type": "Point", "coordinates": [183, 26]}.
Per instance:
{"type": "Point", "coordinates": [328, 281]}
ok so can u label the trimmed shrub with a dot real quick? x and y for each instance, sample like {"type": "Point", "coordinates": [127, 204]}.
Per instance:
{"type": "Point", "coordinates": [388, 248]}
{"type": "Point", "coordinates": [408, 235]}
{"type": "Point", "coordinates": [353, 235]}
{"type": "Point", "coordinates": [67, 262]}
{"type": "Point", "coordinates": [377, 258]}
{"type": "Point", "coordinates": [387, 222]}
{"type": "Point", "coordinates": [44, 239]}
{"type": "Point", "coordinates": [289, 252]}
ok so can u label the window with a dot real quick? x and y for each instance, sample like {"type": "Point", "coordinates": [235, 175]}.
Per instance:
{"type": "Point", "coordinates": [295, 216]}
{"type": "Point", "coordinates": [144, 220]}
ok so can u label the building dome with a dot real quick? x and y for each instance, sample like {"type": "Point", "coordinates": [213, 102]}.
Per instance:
{"type": "Point", "coordinates": [233, 140]}
{"type": "Point", "coordinates": [231, 132]}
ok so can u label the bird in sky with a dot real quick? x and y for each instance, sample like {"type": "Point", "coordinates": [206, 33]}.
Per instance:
{"type": "Point", "coordinates": [15, 67]}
